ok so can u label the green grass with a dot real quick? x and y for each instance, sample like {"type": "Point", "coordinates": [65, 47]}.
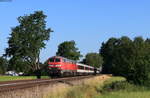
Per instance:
{"type": "Point", "coordinates": [11, 78]}
{"type": "Point", "coordinates": [114, 79]}
{"type": "Point", "coordinates": [122, 94]}
{"type": "Point", "coordinates": [128, 90]}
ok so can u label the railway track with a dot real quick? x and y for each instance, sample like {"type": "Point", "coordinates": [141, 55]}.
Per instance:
{"type": "Point", "coordinates": [22, 84]}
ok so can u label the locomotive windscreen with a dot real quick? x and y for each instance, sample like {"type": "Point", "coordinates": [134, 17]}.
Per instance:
{"type": "Point", "coordinates": [57, 60]}
{"type": "Point", "coordinates": [54, 59]}
{"type": "Point", "coordinates": [51, 60]}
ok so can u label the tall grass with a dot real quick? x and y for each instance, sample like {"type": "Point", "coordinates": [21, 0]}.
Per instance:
{"type": "Point", "coordinates": [97, 87]}
{"type": "Point", "coordinates": [122, 94]}
{"type": "Point", "coordinates": [88, 88]}
{"type": "Point", "coordinates": [116, 88]}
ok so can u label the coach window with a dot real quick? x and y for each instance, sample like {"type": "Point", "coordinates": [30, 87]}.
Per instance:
{"type": "Point", "coordinates": [57, 60]}
{"type": "Point", "coordinates": [72, 62]}
{"type": "Point", "coordinates": [80, 67]}
{"type": "Point", "coordinates": [64, 60]}
{"type": "Point", "coordinates": [67, 60]}
{"type": "Point", "coordinates": [86, 68]}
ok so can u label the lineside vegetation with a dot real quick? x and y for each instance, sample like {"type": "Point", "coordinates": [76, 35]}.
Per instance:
{"type": "Point", "coordinates": [98, 87]}
{"type": "Point", "coordinates": [127, 58]}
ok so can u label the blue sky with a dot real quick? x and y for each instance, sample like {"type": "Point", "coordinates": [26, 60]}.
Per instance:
{"type": "Point", "coordinates": [88, 22]}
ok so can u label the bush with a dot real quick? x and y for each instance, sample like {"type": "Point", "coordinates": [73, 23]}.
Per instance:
{"type": "Point", "coordinates": [117, 85]}
{"type": "Point", "coordinates": [122, 85]}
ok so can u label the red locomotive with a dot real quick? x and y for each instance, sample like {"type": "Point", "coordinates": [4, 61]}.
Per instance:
{"type": "Point", "coordinates": [60, 66]}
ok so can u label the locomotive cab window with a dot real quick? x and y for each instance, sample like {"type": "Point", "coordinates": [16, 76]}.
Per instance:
{"type": "Point", "coordinates": [51, 59]}
{"type": "Point", "coordinates": [57, 60]}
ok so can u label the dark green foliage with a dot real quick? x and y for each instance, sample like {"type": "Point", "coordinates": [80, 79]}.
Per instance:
{"type": "Point", "coordinates": [3, 65]}
{"type": "Point", "coordinates": [107, 53]}
{"type": "Point", "coordinates": [19, 66]}
{"type": "Point", "coordinates": [115, 86]}
{"type": "Point", "coordinates": [68, 49]}
{"type": "Point", "coordinates": [121, 56]}
{"type": "Point", "coordinates": [44, 68]}
{"type": "Point", "coordinates": [128, 58]}
{"type": "Point", "coordinates": [93, 59]}
{"type": "Point", "coordinates": [122, 85]}
{"type": "Point", "coordinates": [27, 39]}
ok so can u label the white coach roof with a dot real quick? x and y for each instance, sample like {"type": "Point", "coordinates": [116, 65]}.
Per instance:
{"type": "Point", "coordinates": [84, 65]}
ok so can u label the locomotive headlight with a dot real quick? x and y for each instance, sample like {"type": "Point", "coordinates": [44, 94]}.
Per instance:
{"type": "Point", "coordinates": [57, 65]}
{"type": "Point", "coordinates": [50, 65]}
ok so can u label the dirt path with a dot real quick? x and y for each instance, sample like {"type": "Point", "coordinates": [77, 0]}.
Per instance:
{"type": "Point", "coordinates": [104, 77]}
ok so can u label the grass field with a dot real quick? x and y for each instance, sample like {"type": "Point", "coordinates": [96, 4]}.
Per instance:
{"type": "Point", "coordinates": [10, 78]}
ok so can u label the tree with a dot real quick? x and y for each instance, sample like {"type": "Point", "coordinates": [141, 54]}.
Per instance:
{"type": "Point", "coordinates": [141, 64]}
{"type": "Point", "coordinates": [121, 62]}
{"type": "Point", "coordinates": [44, 68]}
{"type": "Point", "coordinates": [19, 66]}
{"type": "Point", "coordinates": [93, 59]}
{"type": "Point", "coordinates": [69, 50]}
{"type": "Point", "coordinates": [106, 51]}
{"type": "Point", "coordinates": [3, 65]}
{"type": "Point", "coordinates": [28, 38]}
{"type": "Point", "coordinates": [130, 59]}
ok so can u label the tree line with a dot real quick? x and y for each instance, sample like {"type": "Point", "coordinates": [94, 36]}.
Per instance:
{"type": "Point", "coordinates": [128, 58]}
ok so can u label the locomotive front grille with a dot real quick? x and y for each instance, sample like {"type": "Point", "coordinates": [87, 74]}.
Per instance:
{"type": "Point", "coordinates": [54, 70]}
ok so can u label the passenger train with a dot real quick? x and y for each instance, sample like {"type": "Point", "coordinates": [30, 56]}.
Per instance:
{"type": "Point", "coordinates": [60, 66]}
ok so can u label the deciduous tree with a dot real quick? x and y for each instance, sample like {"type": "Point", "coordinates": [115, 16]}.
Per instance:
{"type": "Point", "coordinates": [106, 51]}
{"type": "Point", "coordinates": [3, 65]}
{"type": "Point", "coordinates": [93, 59]}
{"type": "Point", "coordinates": [69, 50]}
{"type": "Point", "coordinates": [130, 59]}
{"type": "Point", "coordinates": [28, 38]}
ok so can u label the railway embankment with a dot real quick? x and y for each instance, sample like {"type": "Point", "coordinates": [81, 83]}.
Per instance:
{"type": "Point", "coordinates": [104, 86]}
{"type": "Point", "coordinates": [60, 89]}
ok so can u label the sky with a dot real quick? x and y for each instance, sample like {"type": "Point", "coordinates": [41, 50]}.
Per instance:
{"type": "Point", "coordinates": [87, 22]}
